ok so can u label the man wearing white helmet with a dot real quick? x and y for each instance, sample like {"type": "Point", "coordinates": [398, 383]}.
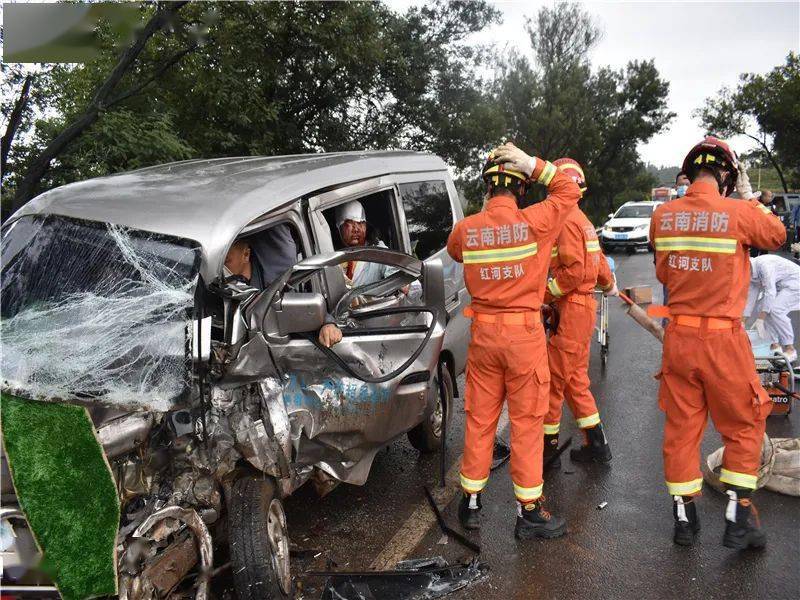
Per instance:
{"type": "Point", "coordinates": [351, 222]}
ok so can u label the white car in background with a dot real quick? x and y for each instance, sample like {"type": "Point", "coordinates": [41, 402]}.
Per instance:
{"type": "Point", "coordinates": [629, 227]}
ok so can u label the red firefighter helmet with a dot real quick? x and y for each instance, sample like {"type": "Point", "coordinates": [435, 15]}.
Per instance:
{"type": "Point", "coordinates": [572, 168]}
{"type": "Point", "coordinates": [713, 152]}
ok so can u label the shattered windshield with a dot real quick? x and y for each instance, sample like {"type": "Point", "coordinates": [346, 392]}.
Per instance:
{"type": "Point", "coordinates": [95, 312]}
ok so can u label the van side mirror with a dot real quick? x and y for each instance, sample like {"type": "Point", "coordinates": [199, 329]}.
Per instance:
{"type": "Point", "coordinates": [300, 312]}
{"type": "Point", "coordinates": [610, 215]}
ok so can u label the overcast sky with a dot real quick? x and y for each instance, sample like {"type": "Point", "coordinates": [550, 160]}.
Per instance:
{"type": "Point", "coordinates": [697, 46]}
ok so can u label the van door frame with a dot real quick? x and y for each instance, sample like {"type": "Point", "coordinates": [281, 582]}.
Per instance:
{"type": "Point", "coordinates": [320, 202]}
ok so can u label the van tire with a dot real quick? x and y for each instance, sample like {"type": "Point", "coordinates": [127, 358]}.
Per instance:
{"type": "Point", "coordinates": [427, 436]}
{"type": "Point", "coordinates": [255, 564]}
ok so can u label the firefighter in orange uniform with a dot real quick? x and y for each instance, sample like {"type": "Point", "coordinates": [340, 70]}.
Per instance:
{"type": "Point", "coordinates": [577, 267]}
{"type": "Point", "coordinates": [701, 242]}
{"type": "Point", "coordinates": [506, 253]}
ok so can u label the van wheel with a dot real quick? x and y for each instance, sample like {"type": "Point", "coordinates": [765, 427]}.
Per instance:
{"type": "Point", "coordinates": [259, 542]}
{"type": "Point", "coordinates": [427, 436]}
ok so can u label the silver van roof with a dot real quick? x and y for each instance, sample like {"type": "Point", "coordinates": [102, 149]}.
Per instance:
{"type": "Point", "coordinates": [211, 200]}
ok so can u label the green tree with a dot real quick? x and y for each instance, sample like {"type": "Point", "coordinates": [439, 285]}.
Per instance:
{"type": "Point", "coordinates": [664, 176]}
{"type": "Point", "coordinates": [281, 78]}
{"type": "Point", "coordinates": [557, 106]}
{"type": "Point", "coordinates": [765, 108]}
{"type": "Point", "coordinates": [106, 93]}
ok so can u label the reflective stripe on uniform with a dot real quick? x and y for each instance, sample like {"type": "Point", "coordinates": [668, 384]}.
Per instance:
{"type": "Point", "coordinates": [684, 488]}
{"type": "Point", "coordinates": [547, 174]}
{"type": "Point", "coordinates": [593, 245]}
{"type": "Point", "coordinates": [764, 209]}
{"type": "Point", "coordinates": [554, 252]}
{"type": "Point", "coordinates": [527, 494]}
{"type": "Point", "coordinates": [551, 428]}
{"type": "Point", "coordinates": [698, 244]}
{"type": "Point", "coordinates": [473, 486]}
{"type": "Point", "coordinates": [499, 254]}
{"type": "Point", "coordinates": [552, 287]}
{"type": "Point", "coordinates": [589, 421]}
{"type": "Point", "coordinates": [740, 479]}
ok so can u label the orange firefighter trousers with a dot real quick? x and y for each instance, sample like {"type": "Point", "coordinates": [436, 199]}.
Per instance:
{"type": "Point", "coordinates": [706, 370]}
{"type": "Point", "coordinates": [568, 354]}
{"type": "Point", "coordinates": [506, 362]}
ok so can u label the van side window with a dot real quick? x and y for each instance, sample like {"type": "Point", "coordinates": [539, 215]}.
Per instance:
{"type": "Point", "coordinates": [428, 214]}
{"type": "Point", "coordinates": [381, 223]}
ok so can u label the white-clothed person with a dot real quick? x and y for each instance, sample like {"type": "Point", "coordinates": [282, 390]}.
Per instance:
{"type": "Point", "coordinates": [774, 293]}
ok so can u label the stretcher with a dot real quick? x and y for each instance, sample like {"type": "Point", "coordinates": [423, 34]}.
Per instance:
{"type": "Point", "coordinates": [602, 327]}
{"type": "Point", "coordinates": [602, 318]}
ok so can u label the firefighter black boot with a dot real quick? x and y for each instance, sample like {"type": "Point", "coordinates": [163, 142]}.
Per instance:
{"type": "Point", "coordinates": [469, 511]}
{"type": "Point", "coordinates": [687, 525]}
{"type": "Point", "coordinates": [533, 521]}
{"type": "Point", "coordinates": [595, 447]}
{"type": "Point", "coordinates": [740, 532]}
{"type": "Point", "coordinates": [550, 457]}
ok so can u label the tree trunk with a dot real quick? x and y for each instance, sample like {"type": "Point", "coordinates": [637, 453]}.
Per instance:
{"type": "Point", "coordinates": [37, 169]}
{"type": "Point", "coordinates": [101, 100]}
{"type": "Point", "coordinates": [772, 160]}
{"type": "Point", "coordinates": [778, 169]}
{"type": "Point", "coordinates": [14, 120]}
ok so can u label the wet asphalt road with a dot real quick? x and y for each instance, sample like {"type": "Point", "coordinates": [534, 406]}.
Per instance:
{"type": "Point", "coordinates": [622, 551]}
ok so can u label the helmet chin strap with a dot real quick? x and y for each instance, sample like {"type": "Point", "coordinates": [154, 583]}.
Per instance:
{"type": "Point", "coordinates": [720, 184]}
{"type": "Point", "coordinates": [723, 184]}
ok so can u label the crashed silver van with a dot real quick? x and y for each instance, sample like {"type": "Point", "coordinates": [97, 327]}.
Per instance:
{"type": "Point", "coordinates": [224, 382]}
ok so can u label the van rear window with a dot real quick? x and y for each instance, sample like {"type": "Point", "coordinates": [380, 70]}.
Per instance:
{"type": "Point", "coordinates": [429, 216]}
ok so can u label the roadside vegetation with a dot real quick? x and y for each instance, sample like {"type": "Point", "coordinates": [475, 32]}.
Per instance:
{"type": "Point", "coordinates": [270, 78]}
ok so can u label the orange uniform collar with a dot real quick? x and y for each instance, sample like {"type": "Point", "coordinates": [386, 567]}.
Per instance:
{"type": "Point", "coordinates": [703, 188]}
{"type": "Point", "coordinates": [501, 202]}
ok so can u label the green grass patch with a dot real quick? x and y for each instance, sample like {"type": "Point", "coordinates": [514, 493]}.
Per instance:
{"type": "Point", "coordinates": [66, 489]}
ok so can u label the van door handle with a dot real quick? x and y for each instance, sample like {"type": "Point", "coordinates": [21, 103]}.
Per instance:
{"type": "Point", "coordinates": [452, 301]}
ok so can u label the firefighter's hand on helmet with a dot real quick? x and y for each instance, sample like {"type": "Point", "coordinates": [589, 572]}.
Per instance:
{"type": "Point", "coordinates": [743, 187]}
{"type": "Point", "coordinates": [514, 158]}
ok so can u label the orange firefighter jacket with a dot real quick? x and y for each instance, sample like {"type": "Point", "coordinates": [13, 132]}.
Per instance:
{"type": "Point", "coordinates": [506, 250]}
{"type": "Point", "coordinates": [702, 242]}
{"type": "Point", "coordinates": [577, 262]}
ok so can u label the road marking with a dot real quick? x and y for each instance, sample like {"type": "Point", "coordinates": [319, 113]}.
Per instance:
{"type": "Point", "coordinates": [413, 530]}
